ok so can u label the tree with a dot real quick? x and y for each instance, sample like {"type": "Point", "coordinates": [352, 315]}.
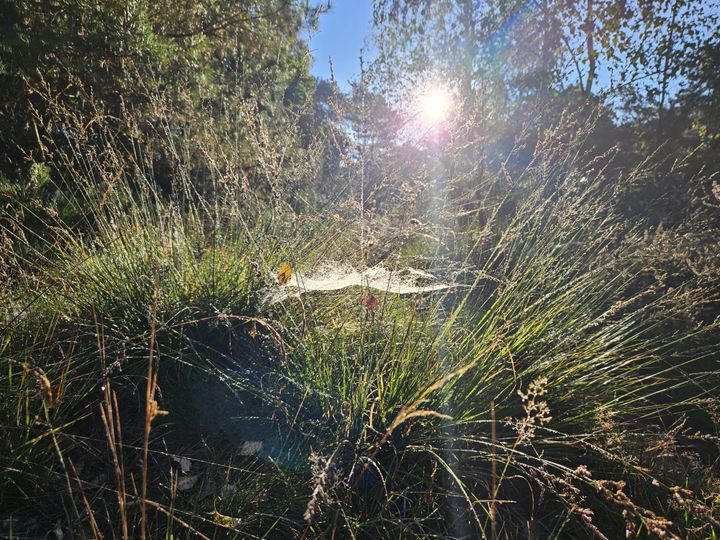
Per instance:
{"type": "Point", "coordinates": [199, 57]}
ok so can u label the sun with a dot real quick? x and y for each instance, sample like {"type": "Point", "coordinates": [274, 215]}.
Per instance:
{"type": "Point", "coordinates": [434, 105]}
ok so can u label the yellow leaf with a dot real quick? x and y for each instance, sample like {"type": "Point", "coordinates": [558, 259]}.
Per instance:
{"type": "Point", "coordinates": [284, 273]}
{"type": "Point", "coordinates": [253, 330]}
{"type": "Point", "coordinates": [225, 521]}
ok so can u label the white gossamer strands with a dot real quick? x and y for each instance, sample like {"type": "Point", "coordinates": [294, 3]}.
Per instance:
{"type": "Point", "coordinates": [335, 277]}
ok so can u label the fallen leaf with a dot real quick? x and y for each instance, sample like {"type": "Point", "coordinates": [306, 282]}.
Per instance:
{"type": "Point", "coordinates": [253, 330]}
{"type": "Point", "coordinates": [284, 273]}
{"type": "Point", "coordinates": [187, 482]}
{"type": "Point", "coordinates": [250, 448]}
{"type": "Point", "coordinates": [184, 463]}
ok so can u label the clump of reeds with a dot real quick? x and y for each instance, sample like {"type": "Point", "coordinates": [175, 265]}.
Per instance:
{"type": "Point", "coordinates": [508, 407]}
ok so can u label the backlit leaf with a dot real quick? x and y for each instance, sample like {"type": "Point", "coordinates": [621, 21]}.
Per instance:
{"type": "Point", "coordinates": [284, 273]}
{"type": "Point", "coordinates": [370, 302]}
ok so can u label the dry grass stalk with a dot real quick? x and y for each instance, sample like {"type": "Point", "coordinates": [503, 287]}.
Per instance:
{"type": "Point", "coordinates": [91, 515]}
{"type": "Point", "coordinates": [152, 410]}
{"type": "Point", "coordinates": [110, 415]}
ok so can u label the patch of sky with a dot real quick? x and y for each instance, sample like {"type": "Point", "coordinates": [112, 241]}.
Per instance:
{"type": "Point", "coordinates": [343, 32]}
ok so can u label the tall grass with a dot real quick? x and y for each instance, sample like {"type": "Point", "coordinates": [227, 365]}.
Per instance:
{"type": "Point", "coordinates": [561, 389]}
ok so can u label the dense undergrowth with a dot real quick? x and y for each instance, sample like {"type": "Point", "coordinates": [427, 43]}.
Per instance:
{"type": "Point", "coordinates": [563, 386]}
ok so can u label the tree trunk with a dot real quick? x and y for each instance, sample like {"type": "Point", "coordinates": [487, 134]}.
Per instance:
{"type": "Point", "coordinates": [590, 45]}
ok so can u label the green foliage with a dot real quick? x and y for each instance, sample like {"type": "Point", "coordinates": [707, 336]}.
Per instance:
{"type": "Point", "coordinates": [203, 59]}
{"type": "Point", "coordinates": [435, 414]}
{"type": "Point", "coordinates": [175, 184]}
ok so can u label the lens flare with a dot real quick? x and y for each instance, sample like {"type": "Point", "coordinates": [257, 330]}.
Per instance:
{"type": "Point", "coordinates": [434, 105]}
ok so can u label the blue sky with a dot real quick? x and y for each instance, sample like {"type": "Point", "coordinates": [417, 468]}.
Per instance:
{"type": "Point", "coordinates": [342, 33]}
